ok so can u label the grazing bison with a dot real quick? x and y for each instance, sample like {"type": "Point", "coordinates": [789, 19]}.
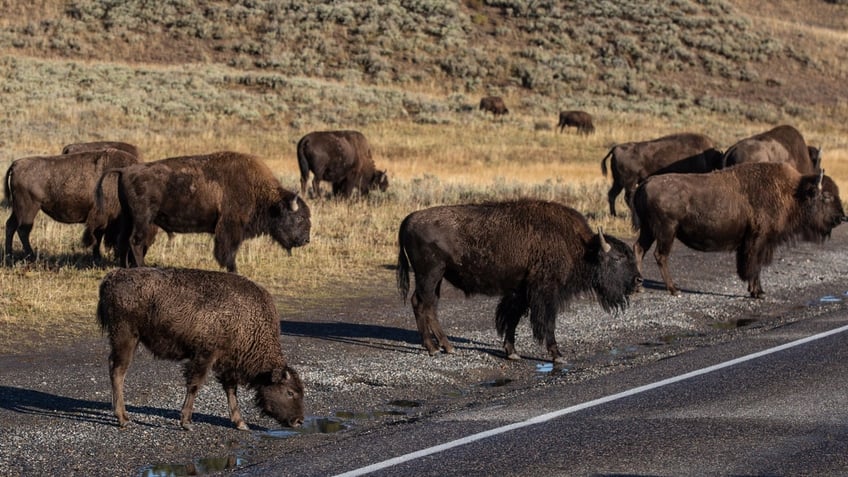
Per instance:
{"type": "Point", "coordinates": [98, 145]}
{"type": "Point", "coordinates": [536, 255]}
{"type": "Point", "coordinates": [633, 162]}
{"type": "Point", "coordinates": [751, 209]}
{"type": "Point", "coordinates": [64, 188]}
{"type": "Point", "coordinates": [494, 105]}
{"type": "Point", "coordinates": [230, 195]}
{"type": "Point", "coordinates": [213, 320]}
{"type": "Point", "coordinates": [577, 119]}
{"type": "Point", "coordinates": [342, 158]}
{"type": "Point", "coordinates": [781, 144]}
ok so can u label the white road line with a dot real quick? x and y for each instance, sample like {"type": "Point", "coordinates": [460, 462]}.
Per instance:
{"type": "Point", "coordinates": [579, 407]}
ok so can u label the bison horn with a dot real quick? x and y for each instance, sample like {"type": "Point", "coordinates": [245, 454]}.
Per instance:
{"type": "Point", "coordinates": [294, 205]}
{"type": "Point", "coordinates": [604, 245]}
{"type": "Point", "coordinates": [819, 180]}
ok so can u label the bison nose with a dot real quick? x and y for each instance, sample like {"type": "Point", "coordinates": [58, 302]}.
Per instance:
{"type": "Point", "coordinates": [638, 281]}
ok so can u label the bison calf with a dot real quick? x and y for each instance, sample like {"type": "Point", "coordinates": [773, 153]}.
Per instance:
{"type": "Point", "coordinates": [750, 208]}
{"type": "Point", "coordinates": [214, 320]}
{"type": "Point", "coordinates": [537, 255]}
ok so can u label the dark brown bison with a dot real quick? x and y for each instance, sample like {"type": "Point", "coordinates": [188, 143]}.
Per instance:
{"type": "Point", "coordinates": [751, 209]}
{"type": "Point", "coordinates": [494, 105]}
{"type": "Point", "coordinates": [781, 144]}
{"type": "Point", "coordinates": [64, 188]}
{"type": "Point", "coordinates": [576, 119]}
{"type": "Point", "coordinates": [633, 162]}
{"type": "Point", "coordinates": [536, 255]}
{"type": "Point", "coordinates": [230, 195]}
{"type": "Point", "coordinates": [98, 145]}
{"type": "Point", "coordinates": [342, 158]}
{"type": "Point", "coordinates": [215, 321]}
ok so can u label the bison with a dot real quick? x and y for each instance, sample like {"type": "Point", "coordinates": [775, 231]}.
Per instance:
{"type": "Point", "coordinates": [98, 145]}
{"type": "Point", "coordinates": [577, 119]}
{"type": "Point", "coordinates": [494, 105]}
{"type": "Point", "coordinates": [536, 255]}
{"type": "Point", "coordinates": [64, 188]}
{"type": "Point", "coordinates": [751, 209]}
{"type": "Point", "coordinates": [342, 158]}
{"type": "Point", "coordinates": [231, 195]}
{"type": "Point", "coordinates": [633, 162]}
{"type": "Point", "coordinates": [781, 144]}
{"type": "Point", "coordinates": [214, 321]}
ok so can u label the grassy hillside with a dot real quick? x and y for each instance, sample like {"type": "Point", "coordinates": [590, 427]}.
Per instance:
{"type": "Point", "coordinates": [182, 77]}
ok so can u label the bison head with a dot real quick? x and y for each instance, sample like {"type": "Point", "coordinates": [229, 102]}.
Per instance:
{"type": "Point", "coordinates": [614, 273]}
{"type": "Point", "coordinates": [279, 394]}
{"type": "Point", "coordinates": [821, 206]}
{"type": "Point", "coordinates": [289, 221]}
{"type": "Point", "coordinates": [380, 180]}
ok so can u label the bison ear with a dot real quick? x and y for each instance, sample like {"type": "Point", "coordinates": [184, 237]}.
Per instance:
{"type": "Point", "coordinates": [604, 245]}
{"type": "Point", "coordinates": [280, 375]}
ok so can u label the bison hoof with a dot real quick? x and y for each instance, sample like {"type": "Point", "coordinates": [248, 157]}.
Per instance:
{"type": "Point", "coordinates": [760, 295]}
{"type": "Point", "coordinates": [559, 360]}
{"type": "Point", "coordinates": [187, 426]}
{"type": "Point", "coordinates": [242, 426]}
{"type": "Point", "coordinates": [513, 356]}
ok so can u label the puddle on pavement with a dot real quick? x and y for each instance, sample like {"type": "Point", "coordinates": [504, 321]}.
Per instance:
{"type": "Point", "coordinates": [197, 467]}
{"type": "Point", "coordinates": [496, 383]}
{"type": "Point", "coordinates": [361, 416]}
{"type": "Point", "coordinates": [734, 324]}
{"type": "Point", "coordinates": [311, 425]}
{"type": "Point", "coordinates": [550, 368]}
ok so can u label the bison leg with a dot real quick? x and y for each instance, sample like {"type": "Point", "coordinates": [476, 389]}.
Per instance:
{"type": "Point", "coordinates": [11, 228]}
{"type": "Point", "coordinates": [232, 404]}
{"type": "Point", "coordinates": [612, 195]}
{"type": "Point", "coordinates": [195, 374]}
{"type": "Point", "coordinates": [228, 239]}
{"type": "Point", "coordinates": [120, 359]}
{"type": "Point", "coordinates": [748, 262]}
{"type": "Point", "coordinates": [661, 254]}
{"type": "Point", "coordinates": [509, 312]}
{"type": "Point", "coordinates": [22, 224]}
{"type": "Point", "coordinates": [137, 244]}
{"type": "Point", "coordinates": [642, 245]}
{"type": "Point", "coordinates": [543, 313]}
{"type": "Point", "coordinates": [424, 304]}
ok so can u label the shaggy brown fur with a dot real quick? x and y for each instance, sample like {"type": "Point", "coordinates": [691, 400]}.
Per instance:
{"type": "Point", "coordinates": [537, 255]}
{"type": "Point", "coordinates": [216, 321]}
{"type": "Point", "coordinates": [494, 105]}
{"type": "Point", "coordinates": [230, 195]}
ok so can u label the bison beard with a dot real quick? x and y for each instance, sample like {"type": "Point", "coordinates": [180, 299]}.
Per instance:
{"type": "Point", "coordinates": [536, 255]}
{"type": "Point", "coordinates": [749, 208]}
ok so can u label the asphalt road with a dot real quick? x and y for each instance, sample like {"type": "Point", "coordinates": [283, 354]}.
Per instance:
{"type": "Point", "coordinates": [782, 413]}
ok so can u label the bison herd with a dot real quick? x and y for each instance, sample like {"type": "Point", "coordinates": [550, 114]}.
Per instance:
{"type": "Point", "coordinates": [535, 255]}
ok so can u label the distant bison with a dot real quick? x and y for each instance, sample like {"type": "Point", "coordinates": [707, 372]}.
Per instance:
{"type": "Point", "coordinates": [98, 145]}
{"type": "Point", "coordinates": [213, 320]}
{"type": "Point", "coordinates": [494, 105]}
{"type": "Point", "coordinates": [536, 255]}
{"type": "Point", "coordinates": [64, 188]}
{"type": "Point", "coordinates": [342, 158]}
{"type": "Point", "coordinates": [230, 195]}
{"type": "Point", "coordinates": [751, 209]}
{"type": "Point", "coordinates": [633, 162]}
{"type": "Point", "coordinates": [576, 119]}
{"type": "Point", "coordinates": [781, 144]}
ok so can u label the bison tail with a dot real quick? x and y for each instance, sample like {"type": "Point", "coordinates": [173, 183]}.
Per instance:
{"type": "Point", "coordinates": [402, 266]}
{"type": "Point", "coordinates": [7, 186]}
{"type": "Point", "coordinates": [636, 204]}
{"type": "Point", "coordinates": [604, 161]}
{"type": "Point", "coordinates": [302, 161]}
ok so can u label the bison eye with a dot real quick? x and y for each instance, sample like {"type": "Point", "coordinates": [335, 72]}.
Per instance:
{"type": "Point", "coordinates": [290, 394]}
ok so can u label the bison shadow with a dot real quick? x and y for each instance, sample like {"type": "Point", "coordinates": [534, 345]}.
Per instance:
{"type": "Point", "coordinates": [660, 286]}
{"type": "Point", "coordinates": [77, 261]}
{"type": "Point", "coordinates": [28, 401]}
{"type": "Point", "coordinates": [407, 340]}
